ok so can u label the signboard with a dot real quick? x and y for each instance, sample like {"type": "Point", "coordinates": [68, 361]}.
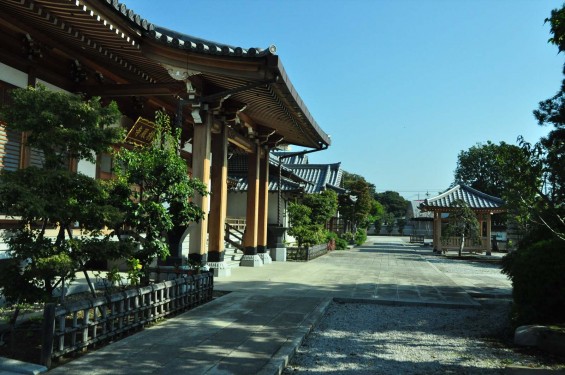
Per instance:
{"type": "Point", "coordinates": [142, 132]}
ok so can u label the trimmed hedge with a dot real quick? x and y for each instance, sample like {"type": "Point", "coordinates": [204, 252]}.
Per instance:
{"type": "Point", "coordinates": [537, 272]}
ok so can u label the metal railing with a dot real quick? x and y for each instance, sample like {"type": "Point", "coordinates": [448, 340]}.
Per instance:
{"type": "Point", "coordinates": [72, 327]}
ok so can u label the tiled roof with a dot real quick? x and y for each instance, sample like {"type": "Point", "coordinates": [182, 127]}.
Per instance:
{"type": "Point", "coordinates": [321, 175]}
{"type": "Point", "coordinates": [184, 41]}
{"type": "Point", "coordinates": [473, 198]}
{"type": "Point", "coordinates": [272, 101]}
{"type": "Point", "coordinates": [294, 159]}
{"type": "Point", "coordinates": [414, 211]}
{"type": "Point", "coordinates": [238, 164]}
{"type": "Point", "coordinates": [191, 43]}
{"type": "Point", "coordinates": [286, 185]}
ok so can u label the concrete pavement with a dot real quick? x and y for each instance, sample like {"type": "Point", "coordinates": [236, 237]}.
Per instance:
{"type": "Point", "coordinates": [256, 328]}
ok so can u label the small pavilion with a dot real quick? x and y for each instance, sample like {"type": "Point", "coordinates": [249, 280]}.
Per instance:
{"type": "Point", "coordinates": [482, 204]}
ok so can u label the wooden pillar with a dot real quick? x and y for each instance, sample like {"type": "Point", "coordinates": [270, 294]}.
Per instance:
{"type": "Point", "coordinates": [438, 232]}
{"type": "Point", "coordinates": [489, 224]}
{"type": "Point", "coordinates": [482, 234]}
{"type": "Point", "coordinates": [218, 199]}
{"type": "Point", "coordinates": [263, 207]}
{"type": "Point", "coordinates": [434, 231]}
{"type": "Point", "coordinates": [250, 257]}
{"type": "Point", "coordinates": [201, 145]}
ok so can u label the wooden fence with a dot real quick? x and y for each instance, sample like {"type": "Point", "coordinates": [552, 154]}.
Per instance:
{"type": "Point", "coordinates": [453, 243]}
{"type": "Point", "coordinates": [72, 327]}
{"type": "Point", "coordinates": [306, 254]}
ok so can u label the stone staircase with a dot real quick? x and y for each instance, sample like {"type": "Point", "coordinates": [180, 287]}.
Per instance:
{"type": "Point", "coordinates": [232, 255]}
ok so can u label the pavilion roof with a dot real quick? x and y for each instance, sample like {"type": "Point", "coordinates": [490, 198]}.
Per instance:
{"type": "Point", "coordinates": [476, 200]}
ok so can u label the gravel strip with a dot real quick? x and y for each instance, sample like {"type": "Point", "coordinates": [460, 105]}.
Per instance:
{"type": "Point", "coordinates": [381, 339]}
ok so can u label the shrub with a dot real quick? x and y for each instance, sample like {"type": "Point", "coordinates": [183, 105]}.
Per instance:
{"type": "Point", "coordinates": [360, 236]}
{"type": "Point", "coordinates": [347, 237]}
{"type": "Point", "coordinates": [340, 244]}
{"type": "Point", "coordinates": [537, 272]}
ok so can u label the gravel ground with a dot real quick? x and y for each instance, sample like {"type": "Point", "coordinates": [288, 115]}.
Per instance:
{"type": "Point", "coordinates": [381, 339]}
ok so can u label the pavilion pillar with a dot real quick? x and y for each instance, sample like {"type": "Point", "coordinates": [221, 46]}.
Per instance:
{"type": "Point", "coordinates": [434, 231]}
{"type": "Point", "coordinates": [262, 249]}
{"type": "Point", "coordinates": [218, 204]}
{"type": "Point", "coordinates": [201, 145]}
{"type": "Point", "coordinates": [250, 257]}
{"type": "Point", "coordinates": [489, 223]}
{"type": "Point", "coordinates": [482, 233]}
{"type": "Point", "coordinates": [437, 231]}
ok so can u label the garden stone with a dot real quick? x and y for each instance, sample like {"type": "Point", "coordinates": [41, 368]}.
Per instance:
{"type": "Point", "coordinates": [528, 335]}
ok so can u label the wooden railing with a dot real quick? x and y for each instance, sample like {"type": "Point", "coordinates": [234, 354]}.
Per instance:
{"type": "Point", "coordinates": [234, 237]}
{"type": "Point", "coordinates": [455, 243]}
{"type": "Point", "coordinates": [416, 239]}
{"type": "Point", "coordinates": [238, 223]}
{"type": "Point", "coordinates": [72, 327]}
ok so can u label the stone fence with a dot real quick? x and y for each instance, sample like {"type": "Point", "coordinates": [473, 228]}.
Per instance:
{"type": "Point", "coordinates": [306, 253]}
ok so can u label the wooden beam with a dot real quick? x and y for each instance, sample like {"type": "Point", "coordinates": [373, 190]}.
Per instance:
{"type": "Point", "coordinates": [240, 141]}
{"type": "Point", "coordinates": [136, 89]}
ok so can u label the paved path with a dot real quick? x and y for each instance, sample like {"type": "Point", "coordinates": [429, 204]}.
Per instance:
{"type": "Point", "coordinates": [255, 329]}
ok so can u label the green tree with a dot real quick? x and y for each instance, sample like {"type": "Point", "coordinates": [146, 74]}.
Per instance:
{"type": "Point", "coordinates": [390, 221]}
{"type": "Point", "coordinates": [309, 217]}
{"type": "Point", "coordinates": [357, 211]}
{"type": "Point", "coordinates": [62, 127]}
{"type": "Point", "coordinates": [483, 167]}
{"type": "Point", "coordinates": [377, 215]}
{"type": "Point", "coordinates": [305, 231]}
{"type": "Point", "coordinates": [393, 203]}
{"type": "Point", "coordinates": [537, 194]}
{"type": "Point", "coordinates": [323, 206]}
{"type": "Point", "coordinates": [462, 223]}
{"type": "Point", "coordinates": [542, 175]}
{"type": "Point", "coordinates": [153, 189]}
{"type": "Point", "coordinates": [401, 224]}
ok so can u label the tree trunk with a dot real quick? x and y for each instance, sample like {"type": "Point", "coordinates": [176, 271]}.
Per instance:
{"type": "Point", "coordinates": [462, 245]}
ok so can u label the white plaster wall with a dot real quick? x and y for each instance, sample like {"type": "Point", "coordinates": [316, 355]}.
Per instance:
{"type": "Point", "coordinates": [237, 207]}
{"type": "Point", "coordinates": [12, 76]}
{"type": "Point", "coordinates": [3, 248]}
{"type": "Point", "coordinates": [87, 168]}
{"type": "Point", "coordinates": [237, 204]}
{"type": "Point", "coordinates": [18, 79]}
{"type": "Point", "coordinates": [51, 86]}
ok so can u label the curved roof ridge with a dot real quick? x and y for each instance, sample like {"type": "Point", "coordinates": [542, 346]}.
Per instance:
{"type": "Point", "coordinates": [205, 46]}
{"type": "Point", "coordinates": [472, 197]}
{"type": "Point", "coordinates": [185, 41]}
{"type": "Point", "coordinates": [442, 195]}
{"type": "Point", "coordinates": [320, 165]}
{"type": "Point", "coordinates": [480, 193]}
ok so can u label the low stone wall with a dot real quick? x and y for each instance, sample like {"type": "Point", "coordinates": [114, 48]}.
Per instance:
{"type": "Point", "coordinates": [305, 254]}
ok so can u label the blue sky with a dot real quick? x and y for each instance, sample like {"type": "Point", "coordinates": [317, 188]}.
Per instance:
{"type": "Point", "coordinates": [402, 86]}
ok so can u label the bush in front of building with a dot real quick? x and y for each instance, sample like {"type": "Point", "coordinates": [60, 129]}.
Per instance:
{"type": "Point", "coordinates": [537, 271]}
